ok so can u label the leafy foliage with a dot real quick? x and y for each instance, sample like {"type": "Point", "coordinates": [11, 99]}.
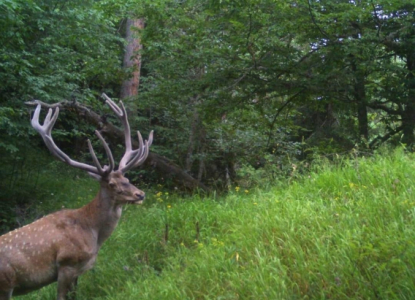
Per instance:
{"type": "Point", "coordinates": [231, 88]}
{"type": "Point", "coordinates": [50, 50]}
{"type": "Point", "coordinates": [238, 80]}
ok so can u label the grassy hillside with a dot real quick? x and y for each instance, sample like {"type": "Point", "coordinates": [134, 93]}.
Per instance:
{"type": "Point", "coordinates": [338, 233]}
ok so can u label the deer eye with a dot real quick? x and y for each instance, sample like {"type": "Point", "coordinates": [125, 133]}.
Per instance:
{"type": "Point", "coordinates": [125, 184]}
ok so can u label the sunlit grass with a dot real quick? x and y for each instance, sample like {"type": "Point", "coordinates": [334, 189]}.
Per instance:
{"type": "Point", "coordinates": [338, 233]}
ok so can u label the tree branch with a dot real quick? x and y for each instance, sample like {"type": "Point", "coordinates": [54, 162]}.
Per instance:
{"type": "Point", "coordinates": [381, 139]}
{"type": "Point", "coordinates": [377, 105]}
{"type": "Point", "coordinates": [279, 112]}
{"type": "Point", "coordinates": [315, 22]}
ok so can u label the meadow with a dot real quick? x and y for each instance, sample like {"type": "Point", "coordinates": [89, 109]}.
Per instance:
{"type": "Point", "coordinates": [340, 231]}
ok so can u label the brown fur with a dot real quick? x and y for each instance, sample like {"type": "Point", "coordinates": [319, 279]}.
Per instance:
{"type": "Point", "coordinates": [63, 245]}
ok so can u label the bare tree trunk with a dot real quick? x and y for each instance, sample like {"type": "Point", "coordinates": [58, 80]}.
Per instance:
{"type": "Point", "coordinates": [132, 58]}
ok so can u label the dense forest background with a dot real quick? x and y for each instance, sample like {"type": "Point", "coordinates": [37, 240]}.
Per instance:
{"type": "Point", "coordinates": [237, 92]}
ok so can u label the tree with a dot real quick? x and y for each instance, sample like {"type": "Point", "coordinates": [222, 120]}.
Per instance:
{"type": "Point", "coordinates": [132, 58]}
{"type": "Point", "coordinates": [396, 31]}
{"type": "Point", "coordinates": [49, 50]}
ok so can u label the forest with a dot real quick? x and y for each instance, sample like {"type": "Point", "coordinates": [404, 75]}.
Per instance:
{"type": "Point", "coordinates": [257, 106]}
{"type": "Point", "coordinates": [237, 92]}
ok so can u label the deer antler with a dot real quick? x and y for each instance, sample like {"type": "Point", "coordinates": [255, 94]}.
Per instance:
{"type": "Point", "coordinates": [132, 158]}
{"type": "Point", "coordinates": [45, 131]}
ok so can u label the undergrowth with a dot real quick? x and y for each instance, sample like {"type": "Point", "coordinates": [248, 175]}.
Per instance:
{"type": "Point", "coordinates": [336, 233]}
{"type": "Point", "coordinates": [34, 186]}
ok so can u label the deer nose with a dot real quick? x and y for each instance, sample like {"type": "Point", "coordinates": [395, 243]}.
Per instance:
{"type": "Point", "coordinates": [139, 196]}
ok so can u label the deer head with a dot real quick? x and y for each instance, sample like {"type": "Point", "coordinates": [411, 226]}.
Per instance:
{"type": "Point", "coordinates": [63, 245]}
{"type": "Point", "coordinates": [120, 189]}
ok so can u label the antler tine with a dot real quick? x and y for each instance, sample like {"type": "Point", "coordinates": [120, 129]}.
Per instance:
{"type": "Point", "coordinates": [122, 115]}
{"type": "Point", "coordinates": [127, 131]}
{"type": "Point", "coordinates": [112, 105]}
{"type": "Point", "coordinates": [107, 151]}
{"type": "Point", "coordinates": [51, 119]}
{"type": "Point", "coordinates": [139, 155]}
{"type": "Point", "coordinates": [45, 131]}
{"type": "Point", "coordinates": [150, 138]}
{"type": "Point", "coordinates": [131, 158]}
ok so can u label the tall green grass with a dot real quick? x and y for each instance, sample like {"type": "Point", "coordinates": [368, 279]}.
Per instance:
{"type": "Point", "coordinates": [337, 233]}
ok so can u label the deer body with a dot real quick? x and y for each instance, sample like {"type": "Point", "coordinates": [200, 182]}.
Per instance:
{"type": "Point", "coordinates": [63, 245]}
{"type": "Point", "coordinates": [34, 254]}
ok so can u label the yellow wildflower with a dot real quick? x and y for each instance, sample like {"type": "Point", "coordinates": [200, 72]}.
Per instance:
{"type": "Point", "coordinates": [246, 191]}
{"type": "Point", "coordinates": [237, 188]}
{"type": "Point", "coordinates": [217, 243]}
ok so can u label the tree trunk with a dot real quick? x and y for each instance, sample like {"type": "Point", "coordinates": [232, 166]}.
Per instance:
{"type": "Point", "coordinates": [408, 115]}
{"type": "Point", "coordinates": [194, 126]}
{"type": "Point", "coordinates": [360, 98]}
{"type": "Point", "coordinates": [132, 58]}
{"type": "Point", "coordinates": [202, 156]}
{"type": "Point", "coordinates": [408, 125]}
{"type": "Point", "coordinates": [362, 119]}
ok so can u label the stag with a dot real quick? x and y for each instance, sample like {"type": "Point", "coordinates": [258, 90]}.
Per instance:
{"type": "Point", "coordinates": [63, 245]}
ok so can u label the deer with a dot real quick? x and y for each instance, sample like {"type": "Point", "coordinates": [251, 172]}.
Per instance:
{"type": "Point", "coordinates": [63, 245]}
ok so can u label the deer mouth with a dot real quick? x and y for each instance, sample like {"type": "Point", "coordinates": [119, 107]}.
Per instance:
{"type": "Point", "coordinates": [136, 202]}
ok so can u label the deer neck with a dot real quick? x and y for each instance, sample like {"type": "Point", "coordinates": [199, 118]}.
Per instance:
{"type": "Point", "coordinates": [103, 214]}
